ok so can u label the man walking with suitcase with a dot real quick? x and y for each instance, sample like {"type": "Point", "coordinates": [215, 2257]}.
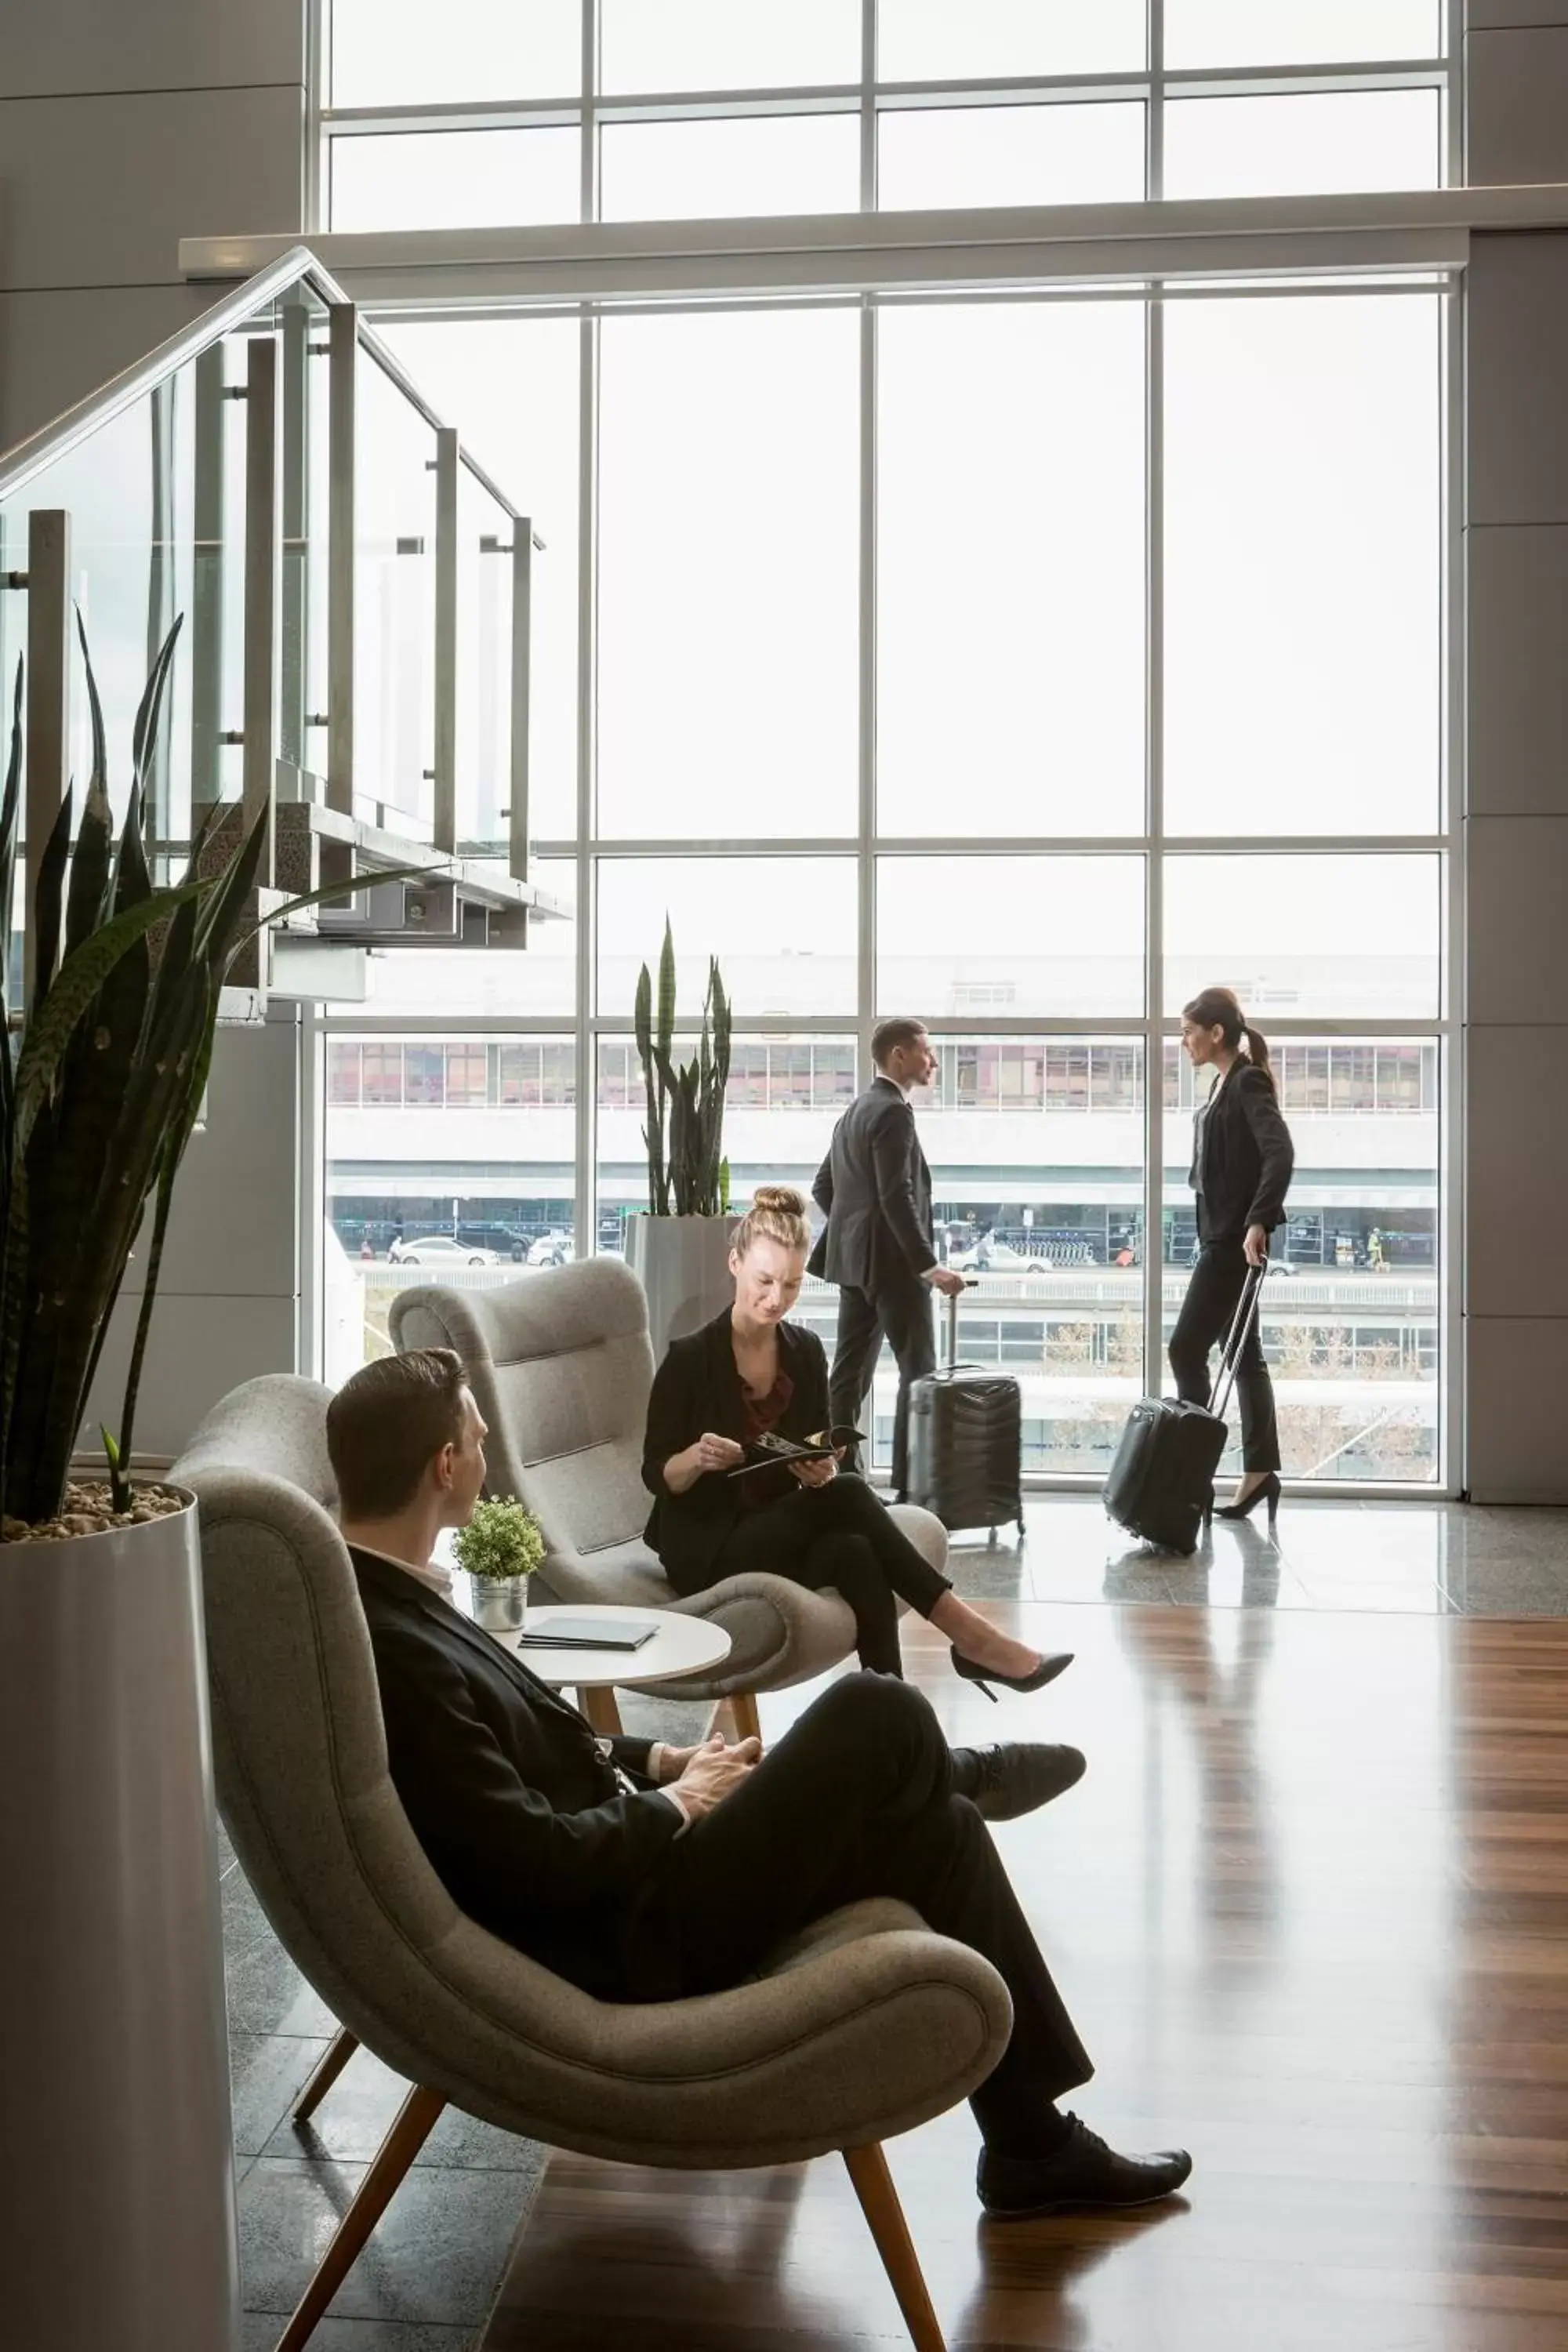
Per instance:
{"type": "Point", "coordinates": [874, 1188]}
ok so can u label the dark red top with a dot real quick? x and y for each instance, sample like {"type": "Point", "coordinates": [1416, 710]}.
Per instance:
{"type": "Point", "coordinates": [758, 1416]}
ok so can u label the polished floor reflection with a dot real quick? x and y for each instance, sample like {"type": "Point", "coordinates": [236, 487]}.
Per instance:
{"type": "Point", "coordinates": [1311, 1910]}
{"type": "Point", "coordinates": [1427, 1557]}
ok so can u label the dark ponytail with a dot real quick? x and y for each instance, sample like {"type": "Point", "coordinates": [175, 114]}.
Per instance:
{"type": "Point", "coordinates": [1216, 1008]}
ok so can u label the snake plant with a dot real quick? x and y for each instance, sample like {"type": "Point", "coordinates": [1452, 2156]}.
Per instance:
{"type": "Point", "coordinates": [98, 1099]}
{"type": "Point", "coordinates": [687, 1175]}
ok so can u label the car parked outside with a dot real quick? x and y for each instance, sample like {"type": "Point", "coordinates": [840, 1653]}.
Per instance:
{"type": "Point", "coordinates": [552, 1249]}
{"type": "Point", "coordinates": [988, 1255]}
{"type": "Point", "coordinates": [440, 1249]}
{"type": "Point", "coordinates": [505, 1240]}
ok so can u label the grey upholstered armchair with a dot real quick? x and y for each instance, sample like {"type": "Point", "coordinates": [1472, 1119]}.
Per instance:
{"type": "Point", "coordinates": [867, 2026]}
{"type": "Point", "coordinates": [562, 1365]}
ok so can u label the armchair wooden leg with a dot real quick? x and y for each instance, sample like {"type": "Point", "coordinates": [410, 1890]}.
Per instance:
{"type": "Point", "coordinates": [743, 1707]}
{"type": "Point", "coordinates": [329, 2067]}
{"type": "Point", "coordinates": [411, 2129]}
{"type": "Point", "coordinates": [885, 2217]}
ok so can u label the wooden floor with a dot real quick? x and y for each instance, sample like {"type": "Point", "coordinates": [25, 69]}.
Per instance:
{"type": "Point", "coordinates": [1310, 1908]}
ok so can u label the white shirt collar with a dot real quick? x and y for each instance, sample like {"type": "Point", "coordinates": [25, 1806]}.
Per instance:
{"type": "Point", "coordinates": [433, 1576]}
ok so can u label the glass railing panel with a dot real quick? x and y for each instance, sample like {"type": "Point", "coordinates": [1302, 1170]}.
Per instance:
{"type": "Point", "coordinates": [129, 491]}
{"type": "Point", "coordinates": [214, 630]}
{"type": "Point", "coordinates": [195, 491]}
{"type": "Point", "coordinates": [395, 607]}
{"type": "Point", "coordinates": [13, 645]}
{"type": "Point", "coordinates": [484, 685]}
{"type": "Point", "coordinates": [13, 599]}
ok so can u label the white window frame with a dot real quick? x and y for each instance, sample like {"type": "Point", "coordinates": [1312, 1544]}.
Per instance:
{"type": "Point", "coordinates": [1154, 253]}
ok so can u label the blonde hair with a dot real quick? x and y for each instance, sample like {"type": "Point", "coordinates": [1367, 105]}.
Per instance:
{"type": "Point", "coordinates": [778, 1213]}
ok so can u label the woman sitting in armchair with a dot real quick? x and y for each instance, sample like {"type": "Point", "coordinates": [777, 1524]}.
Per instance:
{"type": "Point", "coordinates": [746, 1376]}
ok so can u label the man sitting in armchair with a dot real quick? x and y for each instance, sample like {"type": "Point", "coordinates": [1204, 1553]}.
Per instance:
{"type": "Point", "coordinates": [647, 1873]}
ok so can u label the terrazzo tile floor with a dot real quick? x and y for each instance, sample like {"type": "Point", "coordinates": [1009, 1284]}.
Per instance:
{"type": "Point", "coordinates": [430, 2273]}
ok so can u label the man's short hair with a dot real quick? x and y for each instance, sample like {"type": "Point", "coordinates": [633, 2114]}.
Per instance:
{"type": "Point", "coordinates": [386, 1424]}
{"type": "Point", "coordinates": [889, 1035]}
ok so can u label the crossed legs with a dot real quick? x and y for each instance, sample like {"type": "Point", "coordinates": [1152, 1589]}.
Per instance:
{"type": "Point", "coordinates": [857, 1800]}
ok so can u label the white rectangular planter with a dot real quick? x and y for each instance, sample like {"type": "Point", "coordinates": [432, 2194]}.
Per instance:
{"type": "Point", "coordinates": [683, 1264]}
{"type": "Point", "coordinates": [117, 2222]}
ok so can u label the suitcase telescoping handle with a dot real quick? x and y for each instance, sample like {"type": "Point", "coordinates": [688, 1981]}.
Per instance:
{"type": "Point", "coordinates": [1241, 1323]}
{"type": "Point", "coordinates": [970, 1284]}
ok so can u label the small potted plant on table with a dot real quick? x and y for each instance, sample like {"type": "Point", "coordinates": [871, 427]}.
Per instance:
{"type": "Point", "coordinates": [497, 1551]}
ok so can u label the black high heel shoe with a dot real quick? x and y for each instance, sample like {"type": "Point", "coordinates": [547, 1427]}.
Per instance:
{"type": "Point", "coordinates": [1267, 1490]}
{"type": "Point", "coordinates": [1045, 1672]}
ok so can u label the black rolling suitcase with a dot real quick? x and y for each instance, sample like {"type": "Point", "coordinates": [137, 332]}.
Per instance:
{"type": "Point", "coordinates": [966, 1441]}
{"type": "Point", "coordinates": [1161, 1480]}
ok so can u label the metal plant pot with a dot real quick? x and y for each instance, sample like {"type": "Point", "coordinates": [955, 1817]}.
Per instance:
{"type": "Point", "coordinates": [114, 2046]}
{"type": "Point", "coordinates": [500, 1602]}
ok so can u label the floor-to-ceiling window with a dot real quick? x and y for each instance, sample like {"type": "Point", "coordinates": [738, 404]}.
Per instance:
{"type": "Point", "coordinates": [1025, 661]}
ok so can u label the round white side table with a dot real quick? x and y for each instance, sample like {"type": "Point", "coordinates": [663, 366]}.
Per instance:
{"type": "Point", "coordinates": [681, 1646]}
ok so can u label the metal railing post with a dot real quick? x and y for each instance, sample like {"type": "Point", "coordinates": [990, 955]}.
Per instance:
{"type": "Point", "coordinates": [261, 591]}
{"type": "Point", "coordinates": [293, 661]}
{"type": "Point", "coordinates": [161, 575]}
{"type": "Point", "coordinates": [446, 676]}
{"type": "Point", "coordinates": [48, 700]}
{"type": "Point", "coordinates": [206, 579]}
{"type": "Point", "coordinates": [343, 344]}
{"type": "Point", "coordinates": [521, 638]}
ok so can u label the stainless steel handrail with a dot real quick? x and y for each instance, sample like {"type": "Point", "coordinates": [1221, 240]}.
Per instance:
{"type": "Point", "coordinates": [22, 464]}
{"type": "Point", "coordinates": [394, 367]}
{"type": "Point", "coordinates": [27, 459]}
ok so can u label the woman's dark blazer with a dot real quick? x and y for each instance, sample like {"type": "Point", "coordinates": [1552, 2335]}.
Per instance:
{"type": "Point", "coordinates": [697, 1388]}
{"type": "Point", "coordinates": [1246, 1158]}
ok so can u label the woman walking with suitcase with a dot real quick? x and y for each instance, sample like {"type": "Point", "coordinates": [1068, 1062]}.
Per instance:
{"type": "Point", "coordinates": [1242, 1163]}
{"type": "Point", "coordinates": [750, 1374]}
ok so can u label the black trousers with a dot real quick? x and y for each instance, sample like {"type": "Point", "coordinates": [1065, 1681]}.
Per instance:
{"type": "Point", "coordinates": [839, 1534]}
{"type": "Point", "coordinates": [902, 1311]}
{"type": "Point", "coordinates": [1205, 1317]}
{"type": "Point", "coordinates": [857, 1800]}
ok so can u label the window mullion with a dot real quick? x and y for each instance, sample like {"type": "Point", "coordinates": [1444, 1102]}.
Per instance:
{"type": "Point", "coordinates": [1153, 867]}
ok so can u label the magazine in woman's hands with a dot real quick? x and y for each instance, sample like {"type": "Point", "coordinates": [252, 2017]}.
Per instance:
{"type": "Point", "coordinates": [766, 1451]}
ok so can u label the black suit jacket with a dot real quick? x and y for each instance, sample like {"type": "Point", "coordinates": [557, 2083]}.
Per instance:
{"type": "Point", "coordinates": [1243, 1170]}
{"type": "Point", "coordinates": [874, 1188]}
{"type": "Point", "coordinates": [696, 1388]}
{"type": "Point", "coordinates": [509, 1793]}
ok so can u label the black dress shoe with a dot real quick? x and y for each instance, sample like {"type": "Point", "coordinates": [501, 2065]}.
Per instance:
{"type": "Point", "coordinates": [1081, 2171]}
{"type": "Point", "coordinates": [1002, 1782]}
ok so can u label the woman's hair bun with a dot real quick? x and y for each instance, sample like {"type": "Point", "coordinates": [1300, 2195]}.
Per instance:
{"type": "Point", "coordinates": [778, 1213]}
{"type": "Point", "coordinates": [781, 1200]}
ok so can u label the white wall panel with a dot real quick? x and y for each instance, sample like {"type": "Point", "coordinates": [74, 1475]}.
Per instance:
{"type": "Point", "coordinates": [99, 191]}
{"type": "Point", "coordinates": [138, 45]}
{"type": "Point", "coordinates": [1517, 698]}
{"type": "Point", "coordinates": [57, 344]}
{"type": "Point", "coordinates": [200, 1348]}
{"type": "Point", "coordinates": [1516, 111]}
